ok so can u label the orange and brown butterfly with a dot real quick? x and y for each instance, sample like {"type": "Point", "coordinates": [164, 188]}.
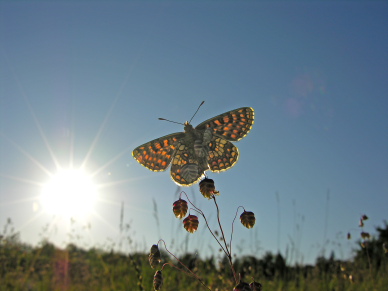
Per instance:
{"type": "Point", "coordinates": [192, 152]}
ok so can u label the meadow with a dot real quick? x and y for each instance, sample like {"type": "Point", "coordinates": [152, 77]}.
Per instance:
{"type": "Point", "coordinates": [46, 267]}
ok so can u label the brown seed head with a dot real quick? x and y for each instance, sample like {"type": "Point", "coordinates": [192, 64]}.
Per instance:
{"type": "Point", "coordinates": [248, 219]}
{"type": "Point", "coordinates": [154, 257]}
{"type": "Point", "coordinates": [364, 217]}
{"type": "Point", "coordinates": [158, 280]}
{"type": "Point", "coordinates": [242, 286]}
{"type": "Point", "coordinates": [190, 223]}
{"type": "Point", "coordinates": [256, 286]}
{"type": "Point", "coordinates": [365, 235]}
{"type": "Point", "coordinates": [180, 208]}
{"type": "Point", "coordinates": [207, 188]}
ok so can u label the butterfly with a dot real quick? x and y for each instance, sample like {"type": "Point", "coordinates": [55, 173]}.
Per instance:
{"type": "Point", "coordinates": [208, 146]}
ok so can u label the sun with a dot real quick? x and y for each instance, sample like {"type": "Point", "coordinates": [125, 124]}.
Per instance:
{"type": "Point", "coordinates": [69, 193]}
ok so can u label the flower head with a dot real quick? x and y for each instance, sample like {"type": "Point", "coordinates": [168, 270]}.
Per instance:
{"type": "Point", "coordinates": [242, 286]}
{"type": "Point", "coordinates": [256, 286]}
{"type": "Point", "coordinates": [248, 219]}
{"type": "Point", "coordinates": [158, 280]}
{"type": "Point", "coordinates": [190, 223]}
{"type": "Point", "coordinates": [207, 188]}
{"type": "Point", "coordinates": [154, 257]}
{"type": "Point", "coordinates": [180, 208]}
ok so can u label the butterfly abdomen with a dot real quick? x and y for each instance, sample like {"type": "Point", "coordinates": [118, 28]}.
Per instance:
{"type": "Point", "coordinates": [200, 149]}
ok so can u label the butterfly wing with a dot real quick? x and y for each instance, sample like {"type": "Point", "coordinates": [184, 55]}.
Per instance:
{"type": "Point", "coordinates": [222, 154]}
{"type": "Point", "coordinates": [220, 130]}
{"type": "Point", "coordinates": [157, 154]}
{"type": "Point", "coordinates": [232, 125]}
{"type": "Point", "coordinates": [186, 167]}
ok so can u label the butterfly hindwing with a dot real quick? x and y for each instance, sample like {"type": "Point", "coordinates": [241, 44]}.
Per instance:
{"type": "Point", "coordinates": [157, 154]}
{"type": "Point", "coordinates": [232, 125]}
{"type": "Point", "coordinates": [186, 168]}
{"type": "Point", "coordinates": [222, 154]}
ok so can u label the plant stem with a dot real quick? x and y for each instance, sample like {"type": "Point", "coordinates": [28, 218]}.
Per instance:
{"type": "Point", "coordinates": [228, 253]}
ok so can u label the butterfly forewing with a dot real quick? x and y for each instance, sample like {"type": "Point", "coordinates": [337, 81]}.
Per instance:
{"type": "Point", "coordinates": [232, 125]}
{"type": "Point", "coordinates": [157, 154]}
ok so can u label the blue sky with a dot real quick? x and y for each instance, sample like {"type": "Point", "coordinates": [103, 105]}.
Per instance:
{"type": "Point", "coordinates": [86, 81]}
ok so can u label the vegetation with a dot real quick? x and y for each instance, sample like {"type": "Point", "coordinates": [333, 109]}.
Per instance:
{"type": "Point", "coordinates": [46, 267]}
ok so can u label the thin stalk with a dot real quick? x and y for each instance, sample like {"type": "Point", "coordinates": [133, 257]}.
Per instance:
{"type": "Point", "coordinates": [231, 234]}
{"type": "Point", "coordinates": [228, 253]}
{"type": "Point", "coordinates": [207, 224]}
{"type": "Point", "coordinates": [180, 262]}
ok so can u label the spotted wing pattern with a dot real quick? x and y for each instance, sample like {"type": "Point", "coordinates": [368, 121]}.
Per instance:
{"type": "Point", "coordinates": [222, 154]}
{"type": "Point", "coordinates": [157, 154]}
{"type": "Point", "coordinates": [186, 167]}
{"type": "Point", "coordinates": [195, 151]}
{"type": "Point", "coordinates": [233, 125]}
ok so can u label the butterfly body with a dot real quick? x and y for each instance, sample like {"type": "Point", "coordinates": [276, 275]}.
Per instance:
{"type": "Point", "coordinates": [208, 146]}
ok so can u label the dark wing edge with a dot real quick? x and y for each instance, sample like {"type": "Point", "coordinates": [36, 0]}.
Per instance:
{"type": "Point", "coordinates": [156, 155]}
{"type": "Point", "coordinates": [233, 125]}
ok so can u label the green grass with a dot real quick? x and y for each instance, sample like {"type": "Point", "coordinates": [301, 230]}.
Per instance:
{"type": "Point", "coordinates": [46, 267]}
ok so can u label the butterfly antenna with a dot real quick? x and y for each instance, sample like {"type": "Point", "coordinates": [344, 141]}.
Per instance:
{"type": "Point", "coordinates": [169, 120]}
{"type": "Point", "coordinates": [196, 111]}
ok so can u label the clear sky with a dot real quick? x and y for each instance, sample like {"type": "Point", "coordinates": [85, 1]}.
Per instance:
{"type": "Point", "coordinates": [82, 84]}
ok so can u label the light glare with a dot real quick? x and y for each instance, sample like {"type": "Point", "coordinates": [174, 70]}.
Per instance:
{"type": "Point", "coordinates": [69, 193]}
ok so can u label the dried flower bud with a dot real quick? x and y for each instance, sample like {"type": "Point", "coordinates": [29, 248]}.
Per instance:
{"type": "Point", "coordinates": [190, 223]}
{"type": "Point", "coordinates": [256, 286]}
{"type": "Point", "coordinates": [349, 236]}
{"type": "Point", "coordinates": [351, 278]}
{"type": "Point", "coordinates": [242, 286]}
{"type": "Point", "coordinates": [158, 280]}
{"type": "Point", "coordinates": [364, 217]}
{"type": "Point", "coordinates": [248, 219]}
{"type": "Point", "coordinates": [180, 208]}
{"type": "Point", "coordinates": [154, 257]}
{"type": "Point", "coordinates": [365, 235]}
{"type": "Point", "coordinates": [207, 188]}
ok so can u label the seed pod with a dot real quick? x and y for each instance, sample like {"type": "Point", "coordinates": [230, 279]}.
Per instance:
{"type": "Point", "coordinates": [256, 286]}
{"type": "Point", "coordinates": [351, 278]}
{"type": "Point", "coordinates": [190, 223]}
{"type": "Point", "coordinates": [154, 257]}
{"type": "Point", "coordinates": [365, 235]}
{"type": "Point", "coordinates": [207, 188]}
{"type": "Point", "coordinates": [242, 286]}
{"type": "Point", "coordinates": [158, 280]}
{"type": "Point", "coordinates": [248, 219]}
{"type": "Point", "coordinates": [364, 217]}
{"type": "Point", "coordinates": [180, 208]}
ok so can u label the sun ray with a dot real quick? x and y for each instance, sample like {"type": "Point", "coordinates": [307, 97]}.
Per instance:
{"type": "Point", "coordinates": [20, 179]}
{"type": "Point", "coordinates": [112, 160]}
{"type": "Point", "coordinates": [31, 110]}
{"type": "Point", "coordinates": [108, 114]}
{"type": "Point", "coordinates": [29, 156]}
{"type": "Point", "coordinates": [100, 130]}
